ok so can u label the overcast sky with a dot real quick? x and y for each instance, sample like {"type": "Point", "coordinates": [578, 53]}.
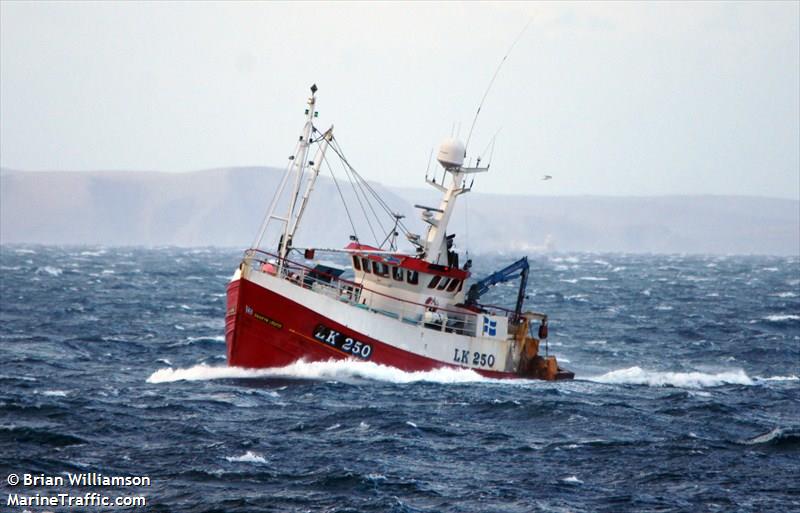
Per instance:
{"type": "Point", "coordinates": [621, 98]}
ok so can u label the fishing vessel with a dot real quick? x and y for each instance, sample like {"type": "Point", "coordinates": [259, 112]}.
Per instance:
{"type": "Point", "coordinates": [415, 310]}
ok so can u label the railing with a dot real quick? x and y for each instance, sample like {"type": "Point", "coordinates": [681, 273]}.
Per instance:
{"type": "Point", "coordinates": [459, 321]}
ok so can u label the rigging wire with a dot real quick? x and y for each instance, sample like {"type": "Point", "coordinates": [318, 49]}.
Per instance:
{"type": "Point", "coordinates": [337, 149]}
{"type": "Point", "coordinates": [491, 82]}
{"type": "Point", "coordinates": [361, 185]}
{"type": "Point", "coordinates": [274, 201]}
{"type": "Point", "coordinates": [358, 198]}
{"type": "Point", "coordinates": [466, 226]}
{"type": "Point", "coordinates": [347, 210]}
{"type": "Point", "coordinates": [361, 188]}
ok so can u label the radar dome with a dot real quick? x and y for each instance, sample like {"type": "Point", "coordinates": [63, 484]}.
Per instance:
{"type": "Point", "coordinates": [451, 153]}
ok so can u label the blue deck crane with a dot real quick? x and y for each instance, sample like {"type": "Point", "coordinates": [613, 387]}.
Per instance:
{"type": "Point", "coordinates": [519, 268]}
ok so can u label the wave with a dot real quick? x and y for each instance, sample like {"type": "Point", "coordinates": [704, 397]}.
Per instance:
{"type": "Point", "coordinates": [327, 370]}
{"type": "Point", "coordinates": [38, 436]}
{"type": "Point", "coordinates": [778, 378]}
{"type": "Point", "coordinates": [779, 437]}
{"type": "Point", "coordinates": [248, 457]}
{"type": "Point", "coordinates": [782, 317]}
{"type": "Point", "coordinates": [55, 393]}
{"type": "Point", "coordinates": [48, 269]}
{"type": "Point", "coordinates": [639, 376]}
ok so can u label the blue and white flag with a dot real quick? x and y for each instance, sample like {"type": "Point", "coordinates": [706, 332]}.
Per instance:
{"type": "Point", "coordinates": [489, 327]}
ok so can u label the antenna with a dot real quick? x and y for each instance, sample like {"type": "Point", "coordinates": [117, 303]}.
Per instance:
{"type": "Point", "coordinates": [491, 82]}
{"type": "Point", "coordinates": [430, 158]}
{"type": "Point", "coordinates": [491, 154]}
{"type": "Point", "coordinates": [491, 143]}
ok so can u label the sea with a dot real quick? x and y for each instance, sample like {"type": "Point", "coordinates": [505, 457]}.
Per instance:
{"type": "Point", "coordinates": [686, 394]}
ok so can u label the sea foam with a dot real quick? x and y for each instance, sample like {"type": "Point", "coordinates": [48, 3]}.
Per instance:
{"type": "Point", "coordinates": [248, 457]}
{"type": "Point", "coordinates": [327, 370]}
{"type": "Point", "coordinates": [782, 317]}
{"type": "Point", "coordinates": [639, 376]}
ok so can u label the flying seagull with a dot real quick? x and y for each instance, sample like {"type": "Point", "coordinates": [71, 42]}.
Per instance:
{"type": "Point", "coordinates": [547, 177]}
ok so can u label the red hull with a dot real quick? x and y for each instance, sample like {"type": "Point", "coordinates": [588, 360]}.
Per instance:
{"type": "Point", "coordinates": [265, 329]}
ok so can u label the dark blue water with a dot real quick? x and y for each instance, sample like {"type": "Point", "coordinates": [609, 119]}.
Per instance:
{"type": "Point", "coordinates": [687, 397]}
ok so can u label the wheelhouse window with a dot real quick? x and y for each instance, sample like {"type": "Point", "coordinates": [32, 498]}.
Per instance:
{"type": "Point", "coordinates": [412, 277]}
{"type": "Point", "coordinates": [453, 284]}
{"type": "Point", "coordinates": [380, 268]}
{"type": "Point", "coordinates": [434, 282]}
{"type": "Point", "coordinates": [356, 264]}
{"type": "Point", "coordinates": [365, 264]}
{"type": "Point", "coordinates": [443, 284]}
{"type": "Point", "coordinates": [397, 273]}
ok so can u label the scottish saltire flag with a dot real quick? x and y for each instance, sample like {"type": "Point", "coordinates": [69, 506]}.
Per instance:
{"type": "Point", "coordinates": [489, 327]}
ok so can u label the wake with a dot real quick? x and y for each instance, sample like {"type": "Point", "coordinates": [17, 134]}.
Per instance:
{"type": "Point", "coordinates": [349, 370]}
{"type": "Point", "coordinates": [338, 370]}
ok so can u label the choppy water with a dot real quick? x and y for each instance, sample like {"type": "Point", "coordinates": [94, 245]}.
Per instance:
{"type": "Point", "coordinates": [688, 397]}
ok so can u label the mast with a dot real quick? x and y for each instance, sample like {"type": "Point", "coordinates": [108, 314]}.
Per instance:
{"type": "Point", "coordinates": [451, 156]}
{"type": "Point", "coordinates": [312, 179]}
{"type": "Point", "coordinates": [298, 168]}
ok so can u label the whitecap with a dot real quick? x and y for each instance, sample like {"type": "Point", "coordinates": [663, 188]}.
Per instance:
{"type": "Point", "coordinates": [695, 278]}
{"type": "Point", "coordinates": [55, 393]}
{"type": "Point", "coordinates": [764, 438]}
{"type": "Point", "coordinates": [331, 428]}
{"type": "Point", "coordinates": [411, 424]}
{"type": "Point", "coordinates": [248, 457]}
{"type": "Point", "coordinates": [48, 269]}
{"type": "Point", "coordinates": [778, 378]}
{"type": "Point", "coordinates": [22, 378]}
{"type": "Point", "coordinates": [339, 370]}
{"type": "Point", "coordinates": [215, 338]}
{"type": "Point", "coordinates": [784, 294]}
{"type": "Point", "coordinates": [569, 281]}
{"type": "Point", "coordinates": [782, 317]}
{"type": "Point", "coordinates": [572, 480]}
{"type": "Point", "coordinates": [664, 308]}
{"type": "Point", "coordinates": [639, 376]}
{"type": "Point", "coordinates": [592, 278]}
{"type": "Point", "coordinates": [597, 342]}
{"type": "Point", "coordinates": [363, 426]}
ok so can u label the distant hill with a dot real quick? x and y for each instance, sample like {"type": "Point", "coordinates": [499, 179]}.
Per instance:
{"type": "Point", "coordinates": [225, 207]}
